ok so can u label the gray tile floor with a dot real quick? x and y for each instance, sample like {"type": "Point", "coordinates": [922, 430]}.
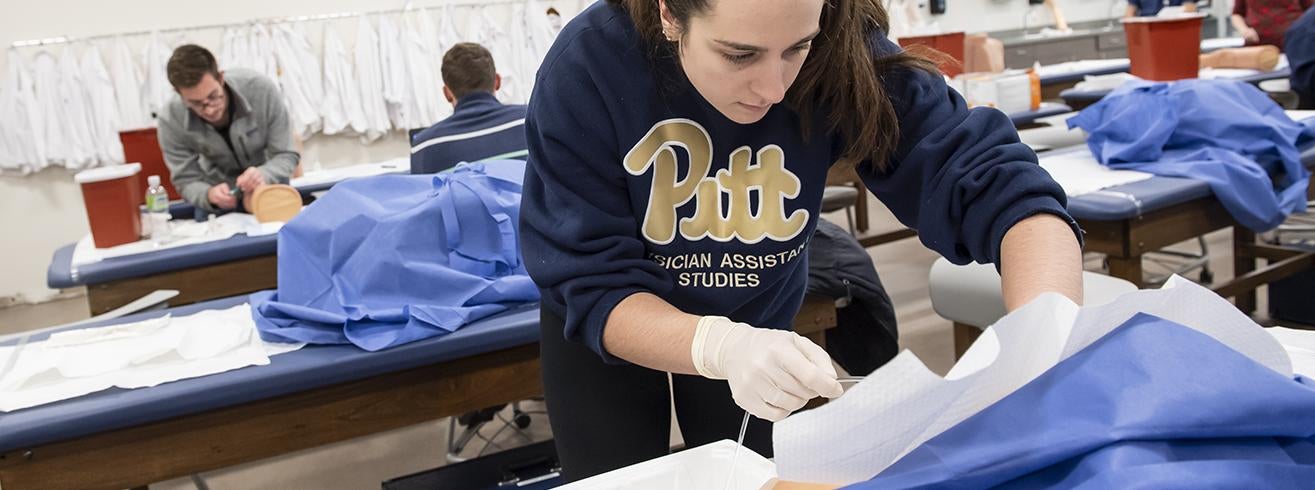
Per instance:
{"type": "Point", "coordinates": [365, 462]}
{"type": "Point", "coordinates": [23, 318]}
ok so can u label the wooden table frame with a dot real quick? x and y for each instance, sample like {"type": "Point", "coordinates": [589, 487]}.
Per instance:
{"type": "Point", "coordinates": [1124, 242]}
{"type": "Point", "coordinates": [1051, 91]}
{"type": "Point", "coordinates": [190, 444]}
{"type": "Point", "coordinates": [194, 284]}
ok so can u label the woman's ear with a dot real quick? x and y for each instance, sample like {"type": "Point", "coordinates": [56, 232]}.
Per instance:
{"type": "Point", "coordinates": [670, 29]}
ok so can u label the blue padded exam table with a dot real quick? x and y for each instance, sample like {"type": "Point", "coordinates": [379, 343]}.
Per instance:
{"type": "Point", "coordinates": [1125, 222]}
{"type": "Point", "coordinates": [200, 272]}
{"type": "Point", "coordinates": [1053, 84]}
{"type": "Point", "coordinates": [1078, 76]}
{"type": "Point", "coordinates": [314, 396]}
{"type": "Point", "coordinates": [1082, 98]}
{"type": "Point", "coordinates": [1047, 109]}
{"type": "Point", "coordinates": [317, 395]}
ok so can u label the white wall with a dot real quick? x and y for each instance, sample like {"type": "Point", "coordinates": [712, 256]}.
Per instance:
{"type": "Point", "coordinates": [41, 212]}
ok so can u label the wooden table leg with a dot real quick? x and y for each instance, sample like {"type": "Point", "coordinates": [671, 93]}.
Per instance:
{"type": "Point", "coordinates": [1127, 268]}
{"type": "Point", "coordinates": [1051, 91]}
{"type": "Point", "coordinates": [1243, 263]}
{"type": "Point", "coordinates": [964, 336]}
{"type": "Point", "coordinates": [861, 208]}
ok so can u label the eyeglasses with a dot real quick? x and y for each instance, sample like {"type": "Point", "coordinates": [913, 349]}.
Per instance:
{"type": "Point", "coordinates": [213, 99]}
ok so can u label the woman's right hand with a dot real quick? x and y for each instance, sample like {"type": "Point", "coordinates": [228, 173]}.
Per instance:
{"type": "Point", "coordinates": [772, 373]}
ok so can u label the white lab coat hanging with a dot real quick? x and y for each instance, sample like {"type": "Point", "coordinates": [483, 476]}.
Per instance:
{"type": "Point", "coordinates": [158, 90]}
{"type": "Point", "coordinates": [342, 101]}
{"type": "Point", "coordinates": [532, 43]}
{"type": "Point", "coordinates": [262, 51]}
{"type": "Point", "coordinates": [299, 77]}
{"type": "Point", "coordinates": [22, 119]}
{"type": "Point", "coordinates": [481, 29]}
{"type": "Point", "coordinates": [420, 53]}
{"type": "Point", "coordinates": [396, 83]}
{"type": "Point", "coordinates": [102, 108]}
{"type": "Point", "coordinates": [46, 79]}
{"type": "Point", "coordinates": [371, 75]}
{"type": "Point", "coordinates": [127, 76]}
{"type": "Point", "coordinates": [76, 108]}
{"type": "Point", "coordinates": [448, 35]}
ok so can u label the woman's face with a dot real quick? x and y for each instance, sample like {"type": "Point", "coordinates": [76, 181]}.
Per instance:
{"type": "Point", "coordinates": [742, 55]}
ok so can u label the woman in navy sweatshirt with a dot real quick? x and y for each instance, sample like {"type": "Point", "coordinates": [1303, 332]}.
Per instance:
{"type": "Point", "coordinates": [678, 152]}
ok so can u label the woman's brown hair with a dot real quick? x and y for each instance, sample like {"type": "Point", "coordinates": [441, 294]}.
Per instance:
{"type": "Point", "coordinates": [840, 72]}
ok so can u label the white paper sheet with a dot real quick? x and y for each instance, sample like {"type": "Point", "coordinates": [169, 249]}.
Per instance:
{"type": "Point", "coordinates": [1300, 115]}
{"type": "Point", "coordinates": [1080, 66]}
{"type": "Point", "coordinates": [903, 404]}
{"type": "Point", "coordinates": [1225, 73]}
{"type": "Point", "coordinates": [1097, 83]}
{"type": "Point", "coordinates": [1079, 173]}
{"type": "Point", "coordinates": [1292, 338]}
{"type": "Point", "coordinates": [183, 233]}
{"type": "Point", "coordinates": [1300, 346]}
{"type": "Point", "coordinates": [136, 355]}
{"type": "Point", "coordinates": [1052, 134]}
{"type": "Point", "coordinates": [1222, 42]}
{"type": "Point", "coordinates": [339, 174]}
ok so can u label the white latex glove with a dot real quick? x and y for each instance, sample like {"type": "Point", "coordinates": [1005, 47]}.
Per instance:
{"type": "Point", "coordinates": [771, 372]}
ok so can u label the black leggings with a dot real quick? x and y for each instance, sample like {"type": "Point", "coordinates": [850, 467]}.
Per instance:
{"type": "Point", "coordinates": [606, 417]}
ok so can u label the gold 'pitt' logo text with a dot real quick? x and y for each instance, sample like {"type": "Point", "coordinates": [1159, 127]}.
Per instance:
{"type": "Point", "coordinates": [769, 177]}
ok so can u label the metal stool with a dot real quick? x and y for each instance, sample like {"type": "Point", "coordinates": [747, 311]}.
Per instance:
{"type": "Point", "coordinates": [472, 422]}
{"type": "Point", "coordinates": [970, 296]}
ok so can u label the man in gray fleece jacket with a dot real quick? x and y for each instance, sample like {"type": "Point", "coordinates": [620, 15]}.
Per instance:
{"type": "Point", "coordinates": [226, 133]}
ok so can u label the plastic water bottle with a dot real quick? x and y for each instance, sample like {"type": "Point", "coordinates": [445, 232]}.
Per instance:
{"type": "Point", "coordinates": [157, 209]}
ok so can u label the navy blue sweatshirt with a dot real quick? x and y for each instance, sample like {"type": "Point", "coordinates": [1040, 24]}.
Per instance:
{"type": "Point", "coordinates": [631, 187]}
{"type": "Point", "coordinates": [1300, 48]}
{"type": "Point", "coordinates": [480, 128]}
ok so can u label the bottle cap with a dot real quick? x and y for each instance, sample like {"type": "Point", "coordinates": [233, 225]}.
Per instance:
{"type": "Point", "coordinates": [153, 180]}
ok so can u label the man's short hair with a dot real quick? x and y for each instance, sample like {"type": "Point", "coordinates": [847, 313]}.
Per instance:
{"type": "Point", "coordinates": [468, 67]}
{"type": "Point", "coordinates": [189, 64]}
